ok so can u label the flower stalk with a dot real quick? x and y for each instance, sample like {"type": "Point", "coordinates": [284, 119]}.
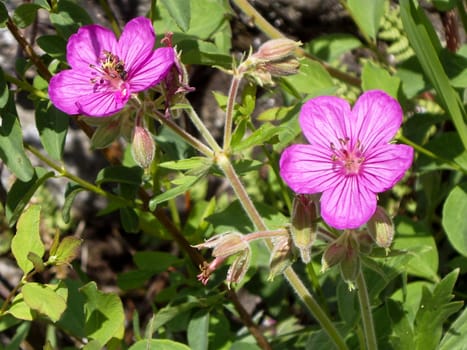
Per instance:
{"type": "Point", "coordinates": [365, 310]}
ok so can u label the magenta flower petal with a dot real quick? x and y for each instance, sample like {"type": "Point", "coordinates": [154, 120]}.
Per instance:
{"type": "Point", "coordinates": [377, 117]}
{"type": "Point", "coordinates": [105, 72]}
{"type": "Point", "coordinates": [348, 205]}
{"type": "Point", "coordinates": [306, 169]}
{"type": "Point", "coordinates": [136, 43]}
{"type": "Point", "coordinates": [349, 158]}
{"type": "Point", "coordinates": [154, 70]}
{"type": "Point", "coordinates": [322, 120]}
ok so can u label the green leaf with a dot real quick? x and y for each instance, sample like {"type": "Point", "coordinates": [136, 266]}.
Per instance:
{"type": "Point", "coordinates": [120, 174]}
{"type": "Point", "coordinates": [159, 344]}
{"type": "Point", "coordinates": [4, 91]}
{"type": "Point", "coordinates": [43, 3]}
{"type": "Point", "coordinates": [73, 319]}
{"type": "Point", "coordinates": [104, 314]}
{"type": "Point", "coordinates": [67, 250]}
{"type": "Point", "coordinates": [54, 45]}
{"type": "Point", "coordinates": [25, 14]}
{"type": "Point", "coordinates": [264, 134]}
{"type": "Point", "coordinates": [11, 144]}
{"type": "Point", "coordinates": [330, 47]}
{"type": "Point", "coordinates": [20, 309]}
{"type": "Point", "coordinates": [3, 14]}
{"type": "Point", "coordinates": [435, 308]}
{"type": "Point", "coordinates": [198, 330]}
{"type": "Point", "coordinates": [402, 332]}
{"type": "Point", "coordinates": [367, 14]}
{"type": "Point", "coordinates": [68, 18]}
{"type": "Point", "coordinates": [180, 11]}
{"type": "Point", "coordinates": [456, 336]}
{"type": "Point", "coordinates": [133, 279]}
{"type": "Point", "coordinates": [186, 164]}
{"type": "Point", "coordinates": [374, 77]}
{"type": "Point", "coordinates": [52, 125]}
{"type": "Point", "coordinates": [21, 192]}
{"type": "Point", "coordinates": [426, 45]}
{"type": "Point", "coordinates": [70, 195]}
{"type": "Point", "coordinates": [93, 345]}
{"type": "Point", "coordinates": [312, 79]}
{"type": "Point", "coordinates": [129, 220]}
{"type": "Point", "coordinates": [156, 262]}
{"type": "Point", "coordinates": [27, 238]}
{"type": "Point", "coordinates": [415, 238]}
{"type": "Point", "coordinates": [44, 299]}
{"type": "Point", "coordinates": [184, 183]}
{"type": "Point", "coordinates": [454, 222]}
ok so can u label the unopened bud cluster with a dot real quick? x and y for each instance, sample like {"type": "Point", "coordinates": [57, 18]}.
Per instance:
{"type": "Point", "coordinates": [275, 58]}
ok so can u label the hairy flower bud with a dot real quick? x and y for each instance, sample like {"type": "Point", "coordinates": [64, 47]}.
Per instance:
{"type": "Point", "coordinates": [350, 264]}
{"type": "Point", "coordinates": [276, 49]}
{"type": "Point", "coordinates": [143, 146]}
{"type": "Point", "coordinates": [381, 228]}
{"type": "Point", "coordinates": [225, 244]}
{"type": "Point", "coordinates": [334, 253]}
{"type": "Point", "coordinates": [239, 267]}
{"type": "Point", "coordinates": [303, 226]}
{"type": "Point", "coordinates": [281, 256]}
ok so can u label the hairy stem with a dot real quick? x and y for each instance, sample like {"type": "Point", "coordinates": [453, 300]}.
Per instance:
{"type": "Point", "coordinates": [233, 90]}
{"type": "Point", "coordinates": [365, 311]}
{"type": "Point", "coordinates": [297, 285]}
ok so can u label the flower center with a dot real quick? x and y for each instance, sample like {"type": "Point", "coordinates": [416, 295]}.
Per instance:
{"type": "Point", "coordinates": [348, 159]}
{"type": "Point", "coordinates": [110, 74]}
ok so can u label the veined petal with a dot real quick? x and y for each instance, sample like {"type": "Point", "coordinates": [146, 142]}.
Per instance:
{"type": "Point", "coordinates": [348, 204]}
{"type": "Point", "coordinates": [385, 166]}
{"type": "Point", "coordinates": [307, 169]}
{"type": "Point", "coordinates": [87, 45]}
{"type": "Point", "coordinates": [153, 71]}
{"type": "Point", "coordinates": [136, 43]}
{"type": "Point", "coordinates": [67, 87]}
{"type": "Point", "coordinates": [375, 118]}
{"type": "Point", "coordinates": [101, 104]}
{"type": "Point", "coordinates": [322, 120]}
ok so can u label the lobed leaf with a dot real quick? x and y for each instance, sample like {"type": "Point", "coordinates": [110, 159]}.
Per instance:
{"type": "Point", "coordinates": [180, 11]}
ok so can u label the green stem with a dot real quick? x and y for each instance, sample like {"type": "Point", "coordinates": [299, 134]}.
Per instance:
{"type": "Point", "coordinates": [302, 292]}
{"type": "Point", "coordinates": [64, 173]}
{"type": "Point", "coordinates": [198, 123]}
{"type": "Point", "coordinates": [230, 111]}
{"type": "Point", "coordinates": [184, 135]}
{"type": "Point", "coordinates": [430, 154]}
{"type": "Point", "coordinates": [365, 310]}
{"type": "Point", "coordinates": [23, 85]}
{"type": "Point", "coordinates": [267, 28]}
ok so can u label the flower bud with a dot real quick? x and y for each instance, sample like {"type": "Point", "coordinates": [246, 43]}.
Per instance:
{"type": "Point", "coordinates": [239, 267]}
{"type": "Point", "coordinates": [225, 244]}
{"type": "Point", "coordinates": [334, 253]}
{"type": "Point", "coordinates": [143, 146]}
{"type": "Point", "coordinates": [288, 66]}
{"type": "Point", "coordinates": [350, 264]}
{"type": "Point", "coordinates": [365, 241]}
{"type": "Point", "coordinates": [381, 228]}
{"type": "Point", "coordinates": [281, 256]}
{"type": "Point", "coordinates": [276, 49]}
{"type": "Point", "coordinates": [303, 226]}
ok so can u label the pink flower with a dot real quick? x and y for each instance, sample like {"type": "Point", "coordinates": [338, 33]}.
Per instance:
{"type": "Point", "coordinates": [349, 158]}
{"type": "Point", "coordinates": [106, 71]}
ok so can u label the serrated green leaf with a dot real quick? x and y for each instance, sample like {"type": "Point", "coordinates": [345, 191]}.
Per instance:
{"type": "Point", "coordinates": [180, 11]}
{"type": "Point", "coordinates": [104, 314]}
{"type": "Point", "coordinates": [435, 308]}
{"type": "Point", "coordinates": [159, 344]}
{"type": "Point", "coordinates": [264, 134]}
{"type": "Point", "coordinates": [27, 238]}
{"type": "Point", "coordinates": [454, 222]}
{"type": "Point", "coordinates": [44, 299]}
{"type": "Point", "coordinates": [25, 14]}
{"type": "Point", "coordinates": [456, 336]}
{"type": "Point", "coordinates": [11, 144]}
{"type": "Point", "coordinates": [21, 192]}
{"type": "Point", "coordinates": [183, 184]}
{"type": "Point", "coordinates": [52, 125]}
{"type": "Point", "coordinates": [367, 14]}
